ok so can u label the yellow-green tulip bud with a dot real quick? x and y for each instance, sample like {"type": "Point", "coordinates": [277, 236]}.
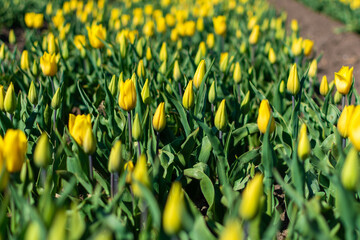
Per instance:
{"type": "Point", "coordinates": [202, 48]}
{"type": "Point", "coordinates": [212, 93]}
{"type": "Point", "coordinates": [199, 74]}
{"type": "Point", "coordinates": [140, 46]}
{"type": "Point", "coordinates": [47, 115]}
{"type": "Point", "coordinates": [245, 103]}
{"type": "Point", "coordinates": [112, 86]}
{"type": "Point", "coordinates": [127, 97]}
{"type": "Point", "coordinates": [56, 100]}
{"type": "Point", "coordinates": [296, 46]}
{"type": "Point", "coordinates": [272, 56]}
{"type": "Point", "coordinates": [89, 143]}
{"type": "Point", "coordinates": [2, 51]}
{"type": "Point", "coordinates": [188, 97]}
{"type": "Point", "coordinates": [350, 171]}
{"type": "Point", "coordinates": [2, 97]}
{"type": "Point", "coordinates": [308, 46]}
{"type": "Point", "coordinates": [210, 40]}
{"type": "Point", "coordinates": [313, 69]}
{"type": "Point", "coordinates": [12, 38]}
{"type": "Point", "coordinates": [293, 83]}
{"type": "Point", "coordinates": [337, 97]}
{"type": "Point", "coordinates": [121, 80]}
{"type": "Point", "coordinates": [294, 25]}
{"type": "Point", "coordinates": [32, 94]}
{"type": "Point", "coordinates": [174, 208]}
{"type": "Point", "coordinates": [136, 128]}
{"type": "Point", "coordinates": [304, 147]}
{"type": "Point", "coordinates": [282, 87]}
{"type": "Point", "coordinates": [42, 153]}
{"type": "Point", "coordinates": [198, 57]}
{"type": "Point", "coordinates": [264, 117]}
{"type": "Point", "coordinates": [58, 226]}
{"type": "Point", "coordinates": [148, 54]}
{"type": "Point", "coordinates": [51, 45]}
{"type": "Point", "coordinates": [162, 68]}
{"type": "Point", "coordinates": [65, 50]}
{"type": "Point", "coordinates": [237, 73]}
{"type": "Point", "coordinates": [140, 175]}
{"type": "Point", "coordinates": [145, 93]}
{"type": "Point", "coordinates": [232, 231]}
{"type": "Point", "coordinates": [221, 119]}
{"type": "Point", "coordinates": [35, 68]}
{"type": "Point", "coordinates": [243, 47]}
{"type": "Point", "coordinates": [115, 159]}
{"type": "Point", "coordinates": [251, 197]}
{"type": "Point", "coordinates": [344, 120]}
{"type": "Point", "coordinates": [141, 69]}
{"type": "Point", "coordinates": [159, 118]}
{"type": "Point", "coordinates": [24, 62]}
{"type": "Point", "coordinates": [354, 128]}
{"type": "Point", "coordinates": [179, 44]}
{"type": "Point", "coordinates": [33, 231]}
{"type": "Point", "coordinates": [224, 61]}
{"type": "Point", "coordinates": [163, 52]}
{"type": "Point", "coordinates": [14, 150]}
{"type": "Point", "coordinates": [324, 86]}
{"type": "Point", "coordinates": [344, 79]}
{"type": "Point", "coordinates": [254, 36]}
{"type": "Point", "coordinates": [123, 45]}
{"type": "Point", "coordinates": [10, 102]}
{"type": "Point", "coordinates": [176, 71]}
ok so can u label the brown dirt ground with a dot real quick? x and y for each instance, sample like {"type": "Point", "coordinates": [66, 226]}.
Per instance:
{"type": "Point", "coordinates": [338, 49]}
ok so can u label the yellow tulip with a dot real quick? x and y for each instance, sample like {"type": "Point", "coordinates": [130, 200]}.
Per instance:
{"type": "Point", "coordinates": [324, 86]}
{"type": "Point", "coordinates": [252, 22]}
{"type": "Point", "coordinates": [123, 44]}
{"type": "Point", "coordinates": [115, 158]}
{"type": "Point", "coordinates": [344, 79]}
{"type": "Point", "coordinates": [159, 118]}
{"type": "Point", "coordinates": [32, 94]}
{"type": "Point", "coordinates": [56, 100]}
{"type": "Point", "coordinates": [254, 35]}
{"type": "Point", "coordinates": [4, 176]}
{"type": "Point", "coordinates": [176, 71]}
{"type": "Point", "coordinates": [51, 43]}
{"type": "Point", "coordinates": [313, 68]}
{"type": "Point", "coordinates": [224, 61]}
{"type": "Point", "coordinates": [210, 40]}
{"type": "Point", "coordinates": [163, 52]}
{"type": "Point", "coordinates": [2, 97]}
{"type": "Point", "coordinates": [212, 93]}
{"type": "Point", "coordinates": [48, 64]}
{"type": "Point", "coordinates": [232, 231]}
{"type": "Point", "coordinates": [160, 25]}
{"type": "Point", "coordinates": [128, 168]}
{"type": "Point", "coordinates": [136, 128]}
{"type": "Point", "coordinates": [174, 208]}
{"type": "Point", "coordinates": [141, 69]}
{"type": "Point", "coordinates": [2, 51]}
{"type": "Point", "coordinates": [14, 149]}
{"type": "Point", "coordinates": [264, 117]}
{"type": "Point", "coordinates": [220, 120]}
{"type": "Point", "coordinates": [10, 101]}
{"type": "Point", "coordinates": [296, 46]}
{"type": "Point", "coordinates": [219, 23]}
{"type": "Point", "coordinates": [293, 83]}
{"type": "Point", "coordinates": [127, 97]}
{"type": "Point", "coordinates": [188, 97]}
{"type": "Point", "coordinates": [148, 29]}
{"type": "Point", "coordinates": [95, 33]}
{"type": "Point", "coordinates": [344, 120]}
{"type": "Point", "coordinates": [200, 24]}
{"type": "Point", "coordinates": [294, 25]}
{"type": "Point", "coordinates": [89, 142]}
{"type": "Point", "coordinates": [80, 42]}
{"type": "Point", "coordinates": [354, 128]}
{"type": "Point", "coordinates": [199, 74]}
{"type": "Point", "coordinates": [148, 54]}
{"type": "Point", "coordinates": [42, 153]}
{"type": "Point", "coordinates": [350, 171]}
{"type": "Point", "coordinates": [24, 62]}
{"type": "Point", "coordinates": [80, 129]}
{"type": "Point", "coordinates": [304, 143]}
{"type": "Point", "coordinates": [251, 197]}
{"type": "Point", "coordinates": [29, 19]}
{"type": "Point", "coordinates": [140, 175]}
{"type": "Point", "coordinates": [272, 56]}
{"type": "Point", "coordinates": [12, 37]}
{"type": "Point", "coordinates": [237, 73]}
{"type": "Point", "coordinates": [308, 46]}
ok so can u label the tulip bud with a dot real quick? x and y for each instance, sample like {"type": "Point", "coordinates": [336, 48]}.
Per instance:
{"type": "Point", "coordinates": [2, 97]}
{"type": "Point", "coordinates": [89, 144]}
{"type": "Point", "coordinates": [159, 118]}
{"type": "Point", "coordinates": [221, 119]}
{"type": "Point", "coordinates": [308, 46]}
{"type": "Point", "coordinates": [200, 24]}
{"type": "Point", "coordinates": [129, 168]}
{"type": "Point", "coordinates": [32, 94]}
{"type": "Point", "coordinates": [243, 47]}
{"type": "Point", "coordinates": [313, 68]}
{"type": "Point", "coordinates": [24, 62]}
{"type": "Point", "coordinates": [272, 56]}
{"type": "Point", "coordinates": [42, 153]}
{"type": "Point", "coordinates": [344, 120]}
{"type": "Point", "coordinates": [127, 97]}
{"type": "Point", "coordinates": [337, 97]}
{"type": "Point", "coordinates": [344, 79]}
{"type": "Point", "coordinates": [140, 46]}
{"type": "Point", "coordinates": [176, 71]}
{"type": "Point", "coordinates": [224, 61]}
{"type": "Point", "coordinates": [34, 231]}
{"type": "Point", "coordinates": [354, 128]}
{"type": "Point", "coordinates": [254, 36]}
{"type": "Point", "coordinates": [304, 143]}
{"type": "Point", "coordinates": [179, 44]}
{"type": "Point", "coordinates": [58, 226]}
{"type": "Point", "coordinates": [198, 57]}
{"type": "Point", "coordinates": [210, 40]}
{"type": "Point", "coordinates": [145, 93]}
{"type": "Point", "coordinates": [202, 49]}
{"type": "Point", "coordinates": [163, 52]}
{"type": "Point", "coordinates": [14, 149]}
{"type": "Point", "coordinates": [136, 128]}
{"type": "Point", "coordinates": [293, 83]}
{"type": "Point", "coordinates": [188, 97]}
{"type": "Point", "coordinates": [264, 117]}
{"type": "Point", "coordinates": [232, 231]}
{"type": "Point", "coordinates": [2, 51]}
{"type": "Point", "coordinates": [174, 208]}
{"type": "Point", "coordinates": [350, 171]}
{"type": "Point", "coordinates": [245, 104]}
{"type": "Point", "coordinates": [141, 69]}
{"type": "Point", "coordinates": [48, 64]}
{"type": "Point", "coordinates": [51, 45]}
{"type": "Point", "coordinates": [324, 86]}
{"type": "Point", "coordinates": [140, 175]}
{"type": "Point", "coordinates": [251, 197]}
{"type": "Point", "coordinates": [12, 38]}
{"type": "Point", "coordinates": [115, 159]}
{"type": "Point", "coordinates": [294, 25]}
{"type": "Point", "coordinates": [35, 69]}
{"type": "Point", "coordinates": [112, 86]}
{"type": "Point", "coordinates": [282, 87]}
{"type": "Point", "coordinates": [162, 68]}
{"type": "Point", "coordinates": [65, 50]}
{"type": "Point", "coordinates": [123, 45]}
{"type": "Point", "coordinates": [47, 114]}
{"type": "Point", "coordinates": [296, 46]}
{"type": "Point", "coordinates": [212, 93]}
{"type": "Point", "coordinates": [56, 100]}
{"type": "Point", "coordinates": [148, 54]}
{"type": "Point", "coordinates": [10, 102]}
{"type": "Point", "coordinates": [199, 74]}
{"type": "Point", "coordinates": [237, 73]}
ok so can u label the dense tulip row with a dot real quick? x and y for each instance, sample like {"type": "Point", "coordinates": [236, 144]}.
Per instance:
{"type": "Point", "coordinates": [189, 120]}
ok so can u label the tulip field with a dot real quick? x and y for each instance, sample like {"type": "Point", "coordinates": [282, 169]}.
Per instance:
{"type": "Point", "coordinates": [172, 120]}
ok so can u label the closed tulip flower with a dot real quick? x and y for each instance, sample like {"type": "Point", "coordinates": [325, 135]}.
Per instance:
{"type": "Point", "coordinates": [141, 69]}
{"type": "Point", "coordinates": [313, 68]}
{"type": "Point", "coordinates": [237, 73]}
{"type": "Point", "coordinates": [224, 61]}
{"type": "Point", "coordinates": [127, 97]}
{"type": "Point", "coordinates": [272, 56]}
{"type": "Point", "coordinates": [32, 94]}
{"type": "Point", "coordinates": [176, 71]}
{"type": "Point", "coordinates": [219, 23]}
{"type": "Point", "coordinates": [199, 74]}
{"type": "Point", "coordinates": [81, 130]}
{"type": "Point", "coordinates": [42, 153]}
{"type": "Point", "coordinates": [12, 37]}
{"type": "Point", "coordinates": [24, 62]}
{"type": "Point", "coordinates": [308, 46]}
{"type": "Point", "coordinates": [29, 19]}
{"type": "Point", "coordinates": [159, 118]}
{"type": "Point", "coordinates": [293, 83]}
{"type": "Point", "coordinates": [304, 143]}
{"type": "Point", "coordinates": [112, 86]}
{"type": "Point", "coordinates": [38, 20]}
{"type": "Point", "coordinates": [2, 98]}
{"type": "Point", "coordinates": [210, 40]}
{"type": "Point", "coordinates": [264, 117]}
{"type": "Point", "coordinates": [48, 64]}
{"type": "Point", "coordinates": [350, 171]}
{"type": "Point", "coordinates": [254, 35]}
{"type": "Point", "coordinates": [89, 143]}
{"type": "Point", "coordinates": [344, 79]}
{"type": "Point", "coordinates": [140, 175]}
{"type": "Point", "coordinates": [56, 100]}
{"type": "Point", "coordinates": [251, 197]}
{"type": "Point", "coordinates": [232, 231]}
{"type": "Point", "coordinates": [145, 93]}
{"type": "Point", "coordinates": [51, 43]}
{"type": "Point", "coordinates": [136, 128]}
{"type": "Point", "coordinates": [80, 42]}
{"type": "Point", "coordinates": [324, 86]}
{"type": "Point", "coordinates": [344, 120]}
{"type": "Point", "coordinates": [149, 28]}
{"type": "Point", "coordinates": [10, 101]}
{"type": "Point", "coordinates": [174, 208]}
{"type": "Point", "coordinates": [220, 120]}
{"type": "Point", "coordinates": [2, 51]}
{"type": "Point", "coordinates": [115, 158]}
{"type": "Point", "coordinates": [163, 52]}
{"type": "Point", "coordinates": [354, 128]}
{"type": "Point", "coordinates": [95, 33]}
{"type": "Point", "coordinates": [188, 98]}
{"type": "Point", "coordinates": [14, 150]}
{"type": "Point", "coordinates": [212, 93]}
{"type": "Point", "coordinates": [296, 46]}
{"type": "Point", "coordinates": [148, 54]}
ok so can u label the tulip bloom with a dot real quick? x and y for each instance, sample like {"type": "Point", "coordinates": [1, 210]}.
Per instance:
{"type": "Point", "coordinates": [308, 46]}
{"type": "Point", "coordinates": [324, 86]}
{"type": "Point", "coordinates": [48, 64]}
{"type": "Point", "coordinates": [251, 197]}
{"type": "Point", "coordinates": [254, 35]}
{"type": "Point", "coordinates": [127, 97]}
{"type": "Point", "coordinates": [354, 128]}
{"type": "Point", "coordinates": [188, 98]}
{"type": "Point", "coordinates": [219, 23]}
{"type": "Point", "coordinates": [24, 62]}
{"type": "Point", "coordinates": [293, 83]}
{"type": "Point", "coordinates": [199, 74]}
{"type": "Point", "coordinates": [34, 20]}
{"type": "Point", "coordinates": [237, 73]}
{"type": "Point", "coordinates": [344, 79]}
{"type": "Point", "coordinates": [80, 41]}
{"type": "Point", "coordinates": [81, 130]}
{"type": "Point", "coordinates": [95, 33]}
{"type": "Point", "coordinates": [264, 117]}
{"type": "Point", "coordinates": [304, 143]}
{"type": "Point", "coordinates": [163, 52]}
{"type": "Point", "coordinates": [220, 120]}
{"type": "Point", "coordinates": [174, 208]}
{"type": "Point", "coordinates": [296, 46]}
{"type": "Point", "coordinates": [159, 119]}
{"type": "Point", "coordinates": [313, 68]}
{"type": "Point", "coordinates": [224, 61]}
{"type": "Point", "coordinates": [14, 149]}
{"type": "Point", "coordinates": [344, 120]}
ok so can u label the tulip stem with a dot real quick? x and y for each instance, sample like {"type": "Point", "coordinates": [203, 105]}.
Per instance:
{"type": "Point", "coordinates": [130, 131]}
{"type": "Point", "coordinates": [113, 183]}
{"type": "Point", "coordinates": [139, 148]}
{"type": "Point", "coordinates": [239, 97]}
{"type": "Point", "coordinates": [293, 102]}
{"type": "Point", "coordinates": [343, 103]}
{"type": "Point", "coordinates": [11, 117]}
{"type": "Point", "coordinates": [157, 142]}
{"type": "Point", "coordinates": [91, 174]}
{"type": "Point", "coordinates": [43, 176]}
{"type": "Point", "coordinates": [220, 136]}
{"type": "Point", "coordinates": [180, 92]}
{"type": "Point", "coordinates": [54, 120]}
